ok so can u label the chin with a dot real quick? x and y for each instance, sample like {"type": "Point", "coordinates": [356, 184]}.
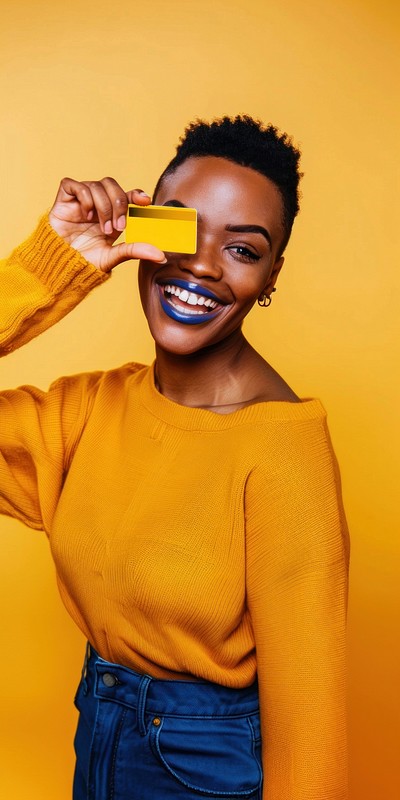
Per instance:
{"type": "Point", "coordinates": [178, 344]}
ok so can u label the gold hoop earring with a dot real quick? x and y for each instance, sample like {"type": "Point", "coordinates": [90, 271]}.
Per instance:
{"type": "Point", "coordinates": [264, 300]}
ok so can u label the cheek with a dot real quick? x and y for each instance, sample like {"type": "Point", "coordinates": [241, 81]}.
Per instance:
{"type": "Point", "coordinates": [249, 287]}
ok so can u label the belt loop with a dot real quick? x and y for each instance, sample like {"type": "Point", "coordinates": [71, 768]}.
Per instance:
{"type": "Point", "coordinates": [141, 703]}
{"type": "Point", "coordinates": [84, 668]}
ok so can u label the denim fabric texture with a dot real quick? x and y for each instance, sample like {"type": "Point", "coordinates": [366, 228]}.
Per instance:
{"type": "Point", "coordinates": [140, 738]}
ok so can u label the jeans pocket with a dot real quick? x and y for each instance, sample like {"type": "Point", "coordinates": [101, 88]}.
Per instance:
{"type": "Point", "coordinates": [210, 756]}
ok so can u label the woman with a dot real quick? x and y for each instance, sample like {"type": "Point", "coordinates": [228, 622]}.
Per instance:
{"type": "Point", "coordinates": [193, 507]}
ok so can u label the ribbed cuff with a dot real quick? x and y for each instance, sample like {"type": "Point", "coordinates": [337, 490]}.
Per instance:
{"type": "Point", "coordinates": [57, 265]}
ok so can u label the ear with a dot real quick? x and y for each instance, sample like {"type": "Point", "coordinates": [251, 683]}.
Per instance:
{"type": "Point", "coordinates": [273, 276]}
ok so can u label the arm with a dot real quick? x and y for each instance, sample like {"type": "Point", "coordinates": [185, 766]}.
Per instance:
{"type": "Point", "coordinates": [297, 562]}
{"type": "Point", "coordinates": [38, 434]}
{"type": "Point", "coordinates": [41, 281]}
{"type": "Point", "coordinates": [70, 253]}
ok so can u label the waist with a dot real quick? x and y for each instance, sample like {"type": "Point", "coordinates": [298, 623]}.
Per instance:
{"type": "Point", "coordinates": [119, 684]}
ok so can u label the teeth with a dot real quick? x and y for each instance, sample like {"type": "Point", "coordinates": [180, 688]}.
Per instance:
{"type": "Point", "coordinates": [191, 311]}
{"type": "Point", "coordinates": [191, 298]}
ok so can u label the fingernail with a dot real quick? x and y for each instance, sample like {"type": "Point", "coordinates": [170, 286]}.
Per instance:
{"type": "Point", "coordinates": [108, 228]}
{"type": "Point", "coordinates": [144, 194]}
{"type": "Point", "coordinates": [121, 223]}
{"type": "Point", "coordinates": [164, 261]}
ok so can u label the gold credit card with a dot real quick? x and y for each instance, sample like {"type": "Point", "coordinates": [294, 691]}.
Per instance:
{"type": "Point", "coordinates": [169, 228]}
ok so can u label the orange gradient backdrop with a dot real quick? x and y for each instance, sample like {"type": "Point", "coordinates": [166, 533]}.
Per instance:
{"type": "Point", "coordinates": [93, 89]}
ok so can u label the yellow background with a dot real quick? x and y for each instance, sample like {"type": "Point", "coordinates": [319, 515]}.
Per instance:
{"type": "Point", "coordinates": [90, 89]}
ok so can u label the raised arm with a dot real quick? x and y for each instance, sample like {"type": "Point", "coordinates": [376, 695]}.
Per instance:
{"type": "Point", "coordinates": [297, 580]}
{"type": "Point", "coordinates": [70, 253]}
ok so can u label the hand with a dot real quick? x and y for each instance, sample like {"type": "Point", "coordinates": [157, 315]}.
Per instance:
{"type": "Point", "coordinates": [90, 216]}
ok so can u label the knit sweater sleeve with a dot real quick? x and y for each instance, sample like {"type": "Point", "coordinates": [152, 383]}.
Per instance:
{"type": "Point", "coordinates": [297, 579]}
{"type": "Point", "coordinates": [40, 282]}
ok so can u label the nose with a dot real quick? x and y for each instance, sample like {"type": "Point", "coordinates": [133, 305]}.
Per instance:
{"type": "Point", "coordinates": [204, 263]}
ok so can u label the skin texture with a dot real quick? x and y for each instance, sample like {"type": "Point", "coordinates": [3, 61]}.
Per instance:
{"type": "Point", "coordinates": [209, 365]}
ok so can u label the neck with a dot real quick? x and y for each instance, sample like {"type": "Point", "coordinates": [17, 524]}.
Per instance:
{"type": "Point", "coordinates": [210, 377]}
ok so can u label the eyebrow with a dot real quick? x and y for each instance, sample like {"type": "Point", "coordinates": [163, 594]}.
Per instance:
{"type": "Point", "coordinates": [232, 228]}
{"type": "Point", "coordinates": [250, 229]}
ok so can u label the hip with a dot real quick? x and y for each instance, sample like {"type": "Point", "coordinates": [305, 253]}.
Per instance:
{"type": "Point", "coordinates": [139, 737]}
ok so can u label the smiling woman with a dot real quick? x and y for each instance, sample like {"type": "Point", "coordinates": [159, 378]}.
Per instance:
{"type": "Point", "coordinates": [240, 234]}
{"type": "Point", "coordinates": [210, 575]}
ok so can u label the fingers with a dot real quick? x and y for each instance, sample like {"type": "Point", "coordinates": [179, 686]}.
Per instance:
{"type": "Point", "coordinates": [71, 191]}
{"type": "Point", "coordinates": [124, 252]}
{"type": "Point", "coordinates": [139, 197]}
{"type": "Point", "coordinates": [109, 203]}
{"type": "Point", "coordinates": [101, 201]}
{"type": "Point", "coordinates": [90, 215]}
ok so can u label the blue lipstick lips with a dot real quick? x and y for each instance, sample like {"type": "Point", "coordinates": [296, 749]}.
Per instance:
{"type": "Point", "coordinates": [188, 318]}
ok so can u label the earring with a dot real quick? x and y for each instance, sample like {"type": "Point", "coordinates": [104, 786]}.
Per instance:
{"type": "Point", "coordinates": [264, 300]}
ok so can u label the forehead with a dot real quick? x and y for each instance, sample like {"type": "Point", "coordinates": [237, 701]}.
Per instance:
{"type": "Point", "coordinates": [224, 191]}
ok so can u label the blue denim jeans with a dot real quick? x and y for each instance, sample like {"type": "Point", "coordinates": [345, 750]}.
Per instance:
{"type": "Point", "coordinates": [140, 738]}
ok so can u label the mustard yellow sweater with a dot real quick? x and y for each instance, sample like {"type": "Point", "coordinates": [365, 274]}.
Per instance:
{"type": "Point", "coordinates": [186, 543]}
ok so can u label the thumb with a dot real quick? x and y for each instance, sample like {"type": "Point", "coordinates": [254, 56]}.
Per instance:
{"type": "Point", "coordinates": [124, 252]}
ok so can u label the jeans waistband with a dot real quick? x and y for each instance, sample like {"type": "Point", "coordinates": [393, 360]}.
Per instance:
{"type": "Point", "coordinates": [119, 684]}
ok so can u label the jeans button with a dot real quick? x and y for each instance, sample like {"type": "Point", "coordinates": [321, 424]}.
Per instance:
{"type": "Point", "coordinates": [109, 679]}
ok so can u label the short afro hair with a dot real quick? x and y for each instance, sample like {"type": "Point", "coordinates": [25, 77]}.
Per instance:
{"type": "Point", "coordinates": [247, 142]}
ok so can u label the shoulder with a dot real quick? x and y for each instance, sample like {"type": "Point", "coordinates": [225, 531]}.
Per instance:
{"type": "Point", "coordinates": [278, 391]}
{"type": "Point", "coordinates": [277, 388]}
{"type": "Point", "coordinates": [89, 383]}
{"type": "Point", "coordinates": [294, 451]}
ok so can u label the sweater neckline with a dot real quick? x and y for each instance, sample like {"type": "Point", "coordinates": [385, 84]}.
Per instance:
{"type": "Point", "coordinates": [192, 418]}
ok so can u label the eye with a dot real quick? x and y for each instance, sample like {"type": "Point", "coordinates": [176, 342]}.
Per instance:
{"type": "Point", "coordinates": [243, 253]}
